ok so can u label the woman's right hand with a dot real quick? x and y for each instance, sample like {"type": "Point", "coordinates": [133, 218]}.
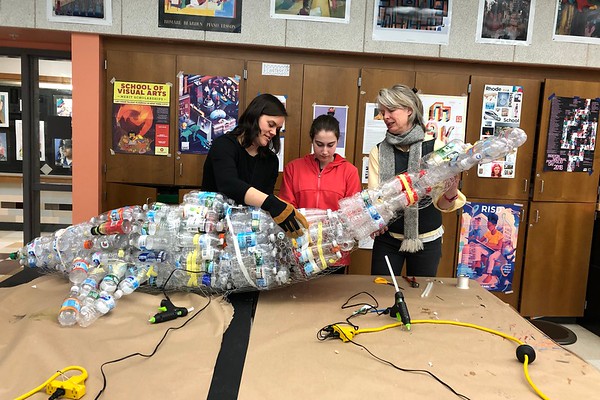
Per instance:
{"type": "Point", "coordinates": [285, 215]}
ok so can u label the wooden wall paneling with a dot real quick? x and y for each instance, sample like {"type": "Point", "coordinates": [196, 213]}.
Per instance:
{"type": "Point", "coordinates": [138, 67]}
{"type": "Point", "coordinates": [512, 297]}
{"type": "Point", "coordinates": [288, 86]}
{"type": "Point", "coordinates": [372, 80]}
{"type": "Point", "coordinates": [503, 188]}
{"type": "Point", "coordinates": [448, 85]}
{"type": "Point", "coordinates": [557, 256]}
{"type": "Point", "coordinates": [189, 167]}
{"type": "Point", "coordinates": [120, 195]}
{"type": "Point", "coordinates": [554, 185]}
{"type": "Point", "coordinates": [329, 85]}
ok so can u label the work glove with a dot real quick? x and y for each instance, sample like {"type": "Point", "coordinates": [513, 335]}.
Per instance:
{"type": "Point", "coordinates": [285, 215]}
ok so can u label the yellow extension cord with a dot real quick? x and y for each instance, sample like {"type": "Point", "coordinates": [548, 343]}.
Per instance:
{"type": "Point", "coordinates": [348, 333]}
{"type": "Point", "coordinates": [73, 386]}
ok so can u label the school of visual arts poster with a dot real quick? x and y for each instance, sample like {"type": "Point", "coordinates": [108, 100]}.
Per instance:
{"type": "Point", "coordinates": [341, 114]}
{"type": "Point", "coordinates": [312, 10]}
{"type": "Point", "coordinates": [19, 141]}
{"type": "Point", "coordinates": [140, 119]}
{"type": "Point", "coordinates": [487, 244]}
{"type": "Point", "coordinates": [444, 117]}
{"type": "Point", "coordinates": [207, 15]}
{"type": "Point", "coordinates": [405, 21]}
{"type": "Point", "coordinates": [577, 21]}
{"type": "Point", "coordinates": [571, 134]}
{"type": "Point", "coordinates": [505, 22]}
{"type": "Point", "coordinates": [501, 111]}
{"type": "Point", "coordinates": [96, 12]}
{"type": "Point", "coordinates": [208, 108]}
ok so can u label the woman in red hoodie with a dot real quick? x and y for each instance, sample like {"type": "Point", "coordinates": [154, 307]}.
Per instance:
{"type": "Point", "coordinates": [323, 178]}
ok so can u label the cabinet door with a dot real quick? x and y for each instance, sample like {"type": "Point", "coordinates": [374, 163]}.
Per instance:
{"type": "Point", "coordinates": [448, 85]}
{"type": "Point", "coordinates": [372, 80]}
{"type": "Point", "coordinates": [120, 195]}
{"type": "Point", "coordinates": [557, 256]}
{"type": "Point", "coordinates": [334, 86]}
{"type": "Point", "coordinates": [189, 167]}
{"type": "Point", "coordinates": [291, 88]}
{"type": "Point", "coordinates": [516, 188]}
{"type": "Point", "coordinates": [138, 67]}
{"type": "Point", "coordinates": [554, 185]}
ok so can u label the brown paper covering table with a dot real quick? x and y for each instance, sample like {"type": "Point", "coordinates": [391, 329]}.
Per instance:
{"type": "Point", "coordinates": [286, 361]}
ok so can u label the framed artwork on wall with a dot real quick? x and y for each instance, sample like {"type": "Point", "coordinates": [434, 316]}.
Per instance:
{"type": "Point", "coordinates": [95, 12]}
{"type": "Point", "coordinates": [4, 109]}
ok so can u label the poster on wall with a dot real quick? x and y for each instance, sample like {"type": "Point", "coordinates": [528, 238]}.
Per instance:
{"type": "Point", "coordinates": [445, 117]}
{"type": "Point", "coordinates": [208, 108]}
{"type": "Point", "coordinates": [63, 153]}
{"type": "Point", "coordinates": [140, 118]}
{"type": "Point", "coordinates": [95, 12]}
{"type": "Point", "coordinates": [4, 121]}
{"type": "Point", "coordinates": [202, 15]}
{"type": "Point", "coordinates": [487, 244]}
{"type": "Point", "coordinates": [64, 106]}
{"type": "Point", "coordinates": [19, 141]}
{"type": "Point", "coordinates": [411, 21]}
{"type": "Point", "coordinates": [577, 21]}
{"type": "Point", "coordinates": [505, 22]}
{"type": "Point", "coordinates": [571, 134]}
{"type": "Point", "coordinates": [501, 110]}
{"type": "Point", "coordinates": [3, 147]}
{"type": "Point", "coordinates": [311, 10]}
{"type": "Point", "coordinates": [341, 114]}
{"type": "Point", "coordinates": [375, 128]}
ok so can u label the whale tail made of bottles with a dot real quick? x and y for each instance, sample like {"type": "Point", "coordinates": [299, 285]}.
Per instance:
{"type": "Point", "coordinates": [209, 244]}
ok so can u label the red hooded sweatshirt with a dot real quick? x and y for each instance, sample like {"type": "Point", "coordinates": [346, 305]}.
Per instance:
{"type": "Point", "coordinates": [305, 186]}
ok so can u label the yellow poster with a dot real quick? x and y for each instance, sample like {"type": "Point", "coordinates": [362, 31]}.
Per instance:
{"type": "Point", "coordinates": [150, 94]}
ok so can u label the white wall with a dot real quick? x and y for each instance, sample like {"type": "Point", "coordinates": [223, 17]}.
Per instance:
{"type": "Point", "coordinates": [139, 18]}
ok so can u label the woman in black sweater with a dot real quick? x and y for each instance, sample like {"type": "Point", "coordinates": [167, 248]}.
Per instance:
{"type": "Point", "coordinates": [243, 163]}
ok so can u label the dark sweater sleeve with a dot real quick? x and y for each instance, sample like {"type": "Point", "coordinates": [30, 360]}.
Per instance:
{"type": "Point", "coordinates": [225, 157]}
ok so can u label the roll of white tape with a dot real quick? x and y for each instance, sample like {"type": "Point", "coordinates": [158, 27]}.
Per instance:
{"type": "Point", "coordinates": [462, 282]}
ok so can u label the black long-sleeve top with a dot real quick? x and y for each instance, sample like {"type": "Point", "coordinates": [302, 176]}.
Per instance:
{"type": "Point", "coordinates": [230, 170]}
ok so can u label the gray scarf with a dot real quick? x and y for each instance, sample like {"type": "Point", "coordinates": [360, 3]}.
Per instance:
{"type": "Point", "coordinates": [387, 164]}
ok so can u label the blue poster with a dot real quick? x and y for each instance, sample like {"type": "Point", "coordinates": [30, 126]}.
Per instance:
{"type": "Point", "coordinates": [208, 108]}
{"type": "Point", "coordinates": [488, 242]}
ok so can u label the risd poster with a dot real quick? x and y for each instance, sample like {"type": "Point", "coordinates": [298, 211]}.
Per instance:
{"type": "Point", "coordinates": [140, 118]}
{"type": "Point", "coordinates": [487, 244]}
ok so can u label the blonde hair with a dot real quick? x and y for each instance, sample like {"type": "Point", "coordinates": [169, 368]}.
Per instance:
{"type": "Point", "coordinates": [401, 96]}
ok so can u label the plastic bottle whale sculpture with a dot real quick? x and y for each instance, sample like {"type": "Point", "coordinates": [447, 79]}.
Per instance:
{"type": "Point", "coordinates": [211, 245]}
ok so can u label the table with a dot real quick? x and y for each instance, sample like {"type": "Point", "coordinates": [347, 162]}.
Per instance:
{"type": "Point", "coordinates": [285, 360]}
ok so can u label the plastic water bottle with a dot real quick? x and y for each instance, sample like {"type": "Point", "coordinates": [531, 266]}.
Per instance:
{"type": "Point", "coordinates": [91, 282]}
{"type": "Point", "coordinates": [70, 308]}
{"type": "Point", "coordinates": [132, 281]}
{"type": "Point", "coordinates": [116, 272]}
{"type": "Point", "coordinates": [121, 226]}
{"type": "Point", "coordinates": [101, 306]}
{"type": "Point", "coordinates": [79, 271]}
{"type": "Point", "coordinates": [149, 242]}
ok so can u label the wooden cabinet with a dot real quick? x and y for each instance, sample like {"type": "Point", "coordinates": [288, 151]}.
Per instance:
{"type": "Point", "coordinates": [119, 195]}
{"type": "Point", "coordinates": [564, 186]}
{"type": "Point", "coordinates": [290, 87]}
{"type": "Point", "coordinates": [516, 188]}
{"type": "Point", "coordinates": [138, 168]}
{"type": "Point", "coordinates": [557, 255]}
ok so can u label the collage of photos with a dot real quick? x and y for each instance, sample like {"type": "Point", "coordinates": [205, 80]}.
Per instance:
{"type": "Point", "coordinates": [488, 243]}
{"type": "Point", "coordinates": [505, 21]}
{"type": "Point", "coordinates": [208, 108]}
{"type": "Point", "coordinates": [501, 111]}
{"type": "Point", "coordinates": [572, 134]}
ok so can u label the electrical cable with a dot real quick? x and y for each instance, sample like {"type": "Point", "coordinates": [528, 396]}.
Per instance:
{"type": "Point", "coordinates": [80, 378]}
{"type": "Point", "coordinates": [104, 380]}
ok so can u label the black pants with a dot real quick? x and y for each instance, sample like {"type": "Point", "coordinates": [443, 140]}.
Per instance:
{"type": "Point", "coordinates": [422, 263]}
